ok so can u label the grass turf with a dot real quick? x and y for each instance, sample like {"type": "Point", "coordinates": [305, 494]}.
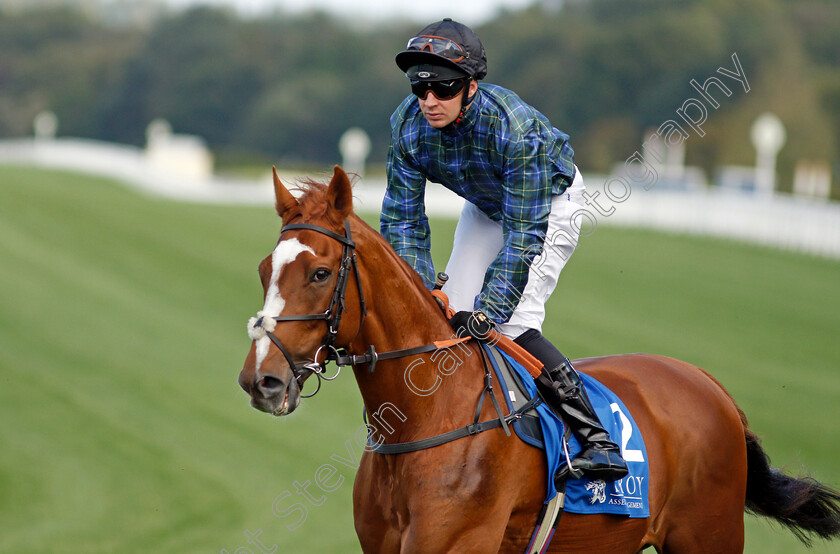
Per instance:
{"type": "Point", "coordinates": [122, 333]}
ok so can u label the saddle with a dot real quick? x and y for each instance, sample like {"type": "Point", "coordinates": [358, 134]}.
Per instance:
{"type": "Point", "coordinates": [541, 428]}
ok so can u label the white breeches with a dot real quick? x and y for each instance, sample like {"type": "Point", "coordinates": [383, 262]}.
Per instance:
{"type": "Point", "coordinates": [478, 240]}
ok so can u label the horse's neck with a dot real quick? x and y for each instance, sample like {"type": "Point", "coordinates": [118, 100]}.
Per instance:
{"type": "Point", "coordinates": [402, 315]}
{"type": "Point", "coordinates": [401, 311]}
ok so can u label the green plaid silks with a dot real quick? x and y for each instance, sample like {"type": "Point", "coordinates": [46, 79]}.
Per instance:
{"type": "Point", "coordinates": [504, 157]}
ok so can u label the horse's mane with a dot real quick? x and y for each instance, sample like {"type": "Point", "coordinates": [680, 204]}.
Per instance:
{"type": "Point", "coordinates": [313, 205]}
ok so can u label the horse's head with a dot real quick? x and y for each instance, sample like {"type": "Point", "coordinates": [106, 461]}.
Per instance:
{"type": "Point", "coordinates": [304, 280]}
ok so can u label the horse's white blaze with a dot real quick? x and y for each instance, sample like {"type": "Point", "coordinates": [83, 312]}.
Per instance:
{"type": "Point", "coordinates": [285, 252]}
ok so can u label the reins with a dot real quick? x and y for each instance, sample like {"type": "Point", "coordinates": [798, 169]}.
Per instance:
{"type": "Point", "coordinates": [474, 428]}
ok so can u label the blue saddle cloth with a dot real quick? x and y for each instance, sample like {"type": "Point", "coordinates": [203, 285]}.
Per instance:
{"type": "Point", "coordinates": [627, 496]}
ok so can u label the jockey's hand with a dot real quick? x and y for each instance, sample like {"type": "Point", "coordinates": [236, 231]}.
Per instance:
{"type": "Point", "coordinates": [474, 324]}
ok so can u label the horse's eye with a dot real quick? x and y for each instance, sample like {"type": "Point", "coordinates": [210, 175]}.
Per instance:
{"type": "Point", "coordinates": [320, 275]}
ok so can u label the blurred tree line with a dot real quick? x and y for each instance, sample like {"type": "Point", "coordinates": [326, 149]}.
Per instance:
{"type": "Point", "coordinates": [284, 88]}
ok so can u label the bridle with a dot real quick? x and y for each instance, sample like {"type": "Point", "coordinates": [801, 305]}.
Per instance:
{"type": "Point", "coordinates": [259, 327]}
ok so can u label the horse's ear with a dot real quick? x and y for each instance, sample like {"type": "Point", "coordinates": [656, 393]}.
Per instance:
{"type": "Point", "coordinates": [340, 193]}
{"type": "Point", "coordinates": [284, 200]}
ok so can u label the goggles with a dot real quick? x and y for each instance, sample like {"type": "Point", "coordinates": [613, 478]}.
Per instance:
{"type": "Point", "coordinates": [443, 90]}
{"type": "Point", "coordinates": [444, 47]}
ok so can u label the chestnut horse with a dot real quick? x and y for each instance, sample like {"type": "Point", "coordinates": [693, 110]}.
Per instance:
{"type": "Point", "coordinates": [335, 288]}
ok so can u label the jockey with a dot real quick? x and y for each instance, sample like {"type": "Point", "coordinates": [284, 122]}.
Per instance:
{"type": "Point", "coordinates": [516, 231]}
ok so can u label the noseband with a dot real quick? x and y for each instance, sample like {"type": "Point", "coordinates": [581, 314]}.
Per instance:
{"type": "Point", "coordinates": [259, 327]}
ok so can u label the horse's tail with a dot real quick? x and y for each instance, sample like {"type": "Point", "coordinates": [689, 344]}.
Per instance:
{"type": "Point", "coordinates": [803, 505]}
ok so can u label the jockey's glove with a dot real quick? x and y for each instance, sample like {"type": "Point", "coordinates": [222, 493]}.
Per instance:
{"type": "Point", "coordinates": [474, 324]}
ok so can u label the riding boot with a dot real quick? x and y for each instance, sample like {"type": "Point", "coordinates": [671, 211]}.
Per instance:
{"type": "Point", "coordinates": [600, 457]}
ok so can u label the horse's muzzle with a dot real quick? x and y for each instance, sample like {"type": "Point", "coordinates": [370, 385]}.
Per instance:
{"type": "Point", "coordinates": [271, 394]}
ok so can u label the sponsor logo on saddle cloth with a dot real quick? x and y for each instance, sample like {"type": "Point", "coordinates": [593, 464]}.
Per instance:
{"type": "Point", "coordinates": [627, 496]}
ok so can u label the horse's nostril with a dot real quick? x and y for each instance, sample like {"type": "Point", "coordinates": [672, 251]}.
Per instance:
{"type": "Point", "coordinates": [270, 386]}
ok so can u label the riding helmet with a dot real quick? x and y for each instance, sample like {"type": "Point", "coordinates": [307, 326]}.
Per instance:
{"type": "Point", "coordinates": [444, 50]}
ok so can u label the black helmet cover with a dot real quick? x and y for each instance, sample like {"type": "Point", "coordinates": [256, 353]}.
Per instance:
{"type": "Point", "coordinates": [445, 44]}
